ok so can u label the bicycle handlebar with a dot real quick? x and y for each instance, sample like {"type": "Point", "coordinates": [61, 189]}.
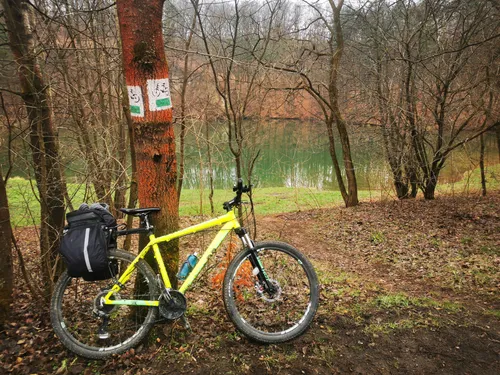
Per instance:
{"type": "Point", "coordinates": [239, 188]}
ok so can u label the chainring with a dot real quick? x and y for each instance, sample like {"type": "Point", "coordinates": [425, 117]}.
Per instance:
{"type": "Point", "coordinates": [172, 305]}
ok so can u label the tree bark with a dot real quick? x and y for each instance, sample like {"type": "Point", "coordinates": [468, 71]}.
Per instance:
{"type": "Point", "coordinates": [43, 139]}
{"type": "Point", "coordinates": [6, 275]}
{"type": "Point", "coordinates": [144, 61]}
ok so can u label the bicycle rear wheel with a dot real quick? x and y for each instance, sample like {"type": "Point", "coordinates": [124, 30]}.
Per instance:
{"type": "Point", "coordinates": [278, 316]}
{"type": "Point", "coordinates": [78, 320]}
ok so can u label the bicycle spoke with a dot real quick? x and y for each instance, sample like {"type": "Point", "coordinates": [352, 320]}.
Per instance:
{"type": "Point", "coordinates": [263, 313]}
{"type": "Point", "coordinates": [92, 330]}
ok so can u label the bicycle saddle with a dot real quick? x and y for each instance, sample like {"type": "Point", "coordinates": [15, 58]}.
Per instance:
{"type": "Point", "coordinates": [139, 211]}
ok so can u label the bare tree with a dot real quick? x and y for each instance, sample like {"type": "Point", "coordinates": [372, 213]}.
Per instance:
{"type": "Point", "coordinates": [179, 31]}
{"type": "Point", "coordinates": [390, 77]}
{"type": "Point", "coordinates": [230, 47]}
{"type": "Point", "coordinates": [317, 46]}
{"type": "Point", "coordinates": [82, 55]}
{"type": "Point", "coordinates": [43, 138]}
{"type": "Point", "coordinates": [433, 46]}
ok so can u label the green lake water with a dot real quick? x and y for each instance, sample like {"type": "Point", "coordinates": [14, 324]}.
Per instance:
{"type": "Point", "coordinates": [291, 154]}
{"type": "Point", "coordinates": [295, 154]}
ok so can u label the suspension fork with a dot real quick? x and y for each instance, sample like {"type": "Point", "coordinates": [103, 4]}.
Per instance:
{"type": "Point", "coordinates": [255, 261]}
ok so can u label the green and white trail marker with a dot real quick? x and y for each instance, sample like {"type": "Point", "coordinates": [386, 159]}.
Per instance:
{"type": "Point", "coordinates": [136, 101]}
{"type": "Point", "coordinates": [159, 94]}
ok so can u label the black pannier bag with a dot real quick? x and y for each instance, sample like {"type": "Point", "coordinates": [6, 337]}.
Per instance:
{"type": "Point", "coordinates": [90, 232]}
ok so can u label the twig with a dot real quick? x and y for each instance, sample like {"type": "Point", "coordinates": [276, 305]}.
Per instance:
{"type": "Point", "coordinates": [32, 286]}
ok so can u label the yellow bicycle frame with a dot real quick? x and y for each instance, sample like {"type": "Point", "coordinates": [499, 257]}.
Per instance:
{"type": "Point", "coordinates": [228, 222]}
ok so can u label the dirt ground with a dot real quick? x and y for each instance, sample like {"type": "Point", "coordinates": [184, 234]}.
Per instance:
{"type": "Point", "coordinates": [407, 287]}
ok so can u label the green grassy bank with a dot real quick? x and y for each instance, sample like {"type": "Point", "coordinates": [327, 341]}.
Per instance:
{"type": "Point", "coordinates": [24, 205]}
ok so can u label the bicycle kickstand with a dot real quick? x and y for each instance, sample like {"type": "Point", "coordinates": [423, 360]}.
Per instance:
{"type": "Point", "coordinates": [186, 324]}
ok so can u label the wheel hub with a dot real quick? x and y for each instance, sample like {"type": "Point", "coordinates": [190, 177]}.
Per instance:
{"type": "Point", "coordinates": [265, 295]}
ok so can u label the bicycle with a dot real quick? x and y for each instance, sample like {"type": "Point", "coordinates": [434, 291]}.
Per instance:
{"type": "Point", "coordinates": [270, 290]}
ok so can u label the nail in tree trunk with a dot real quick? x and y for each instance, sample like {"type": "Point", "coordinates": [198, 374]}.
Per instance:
{"type": "Point", "coordinates": [146, 75]}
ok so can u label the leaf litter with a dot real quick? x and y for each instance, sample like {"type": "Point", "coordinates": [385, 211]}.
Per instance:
{"type": "Point", "coordinates": [407, 287]}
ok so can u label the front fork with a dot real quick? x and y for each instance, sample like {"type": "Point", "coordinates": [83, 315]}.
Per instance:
{"type": "Point", "coordinates": [257, 267]}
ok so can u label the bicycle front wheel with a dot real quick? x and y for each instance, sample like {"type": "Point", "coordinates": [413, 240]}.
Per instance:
{"type": "Point", "coordinates": [279, 314]}
{"type": "Point", "coordinates": [94, 331]}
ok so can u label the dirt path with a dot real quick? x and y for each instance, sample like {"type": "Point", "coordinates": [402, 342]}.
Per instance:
{"type": "Point", "coordinates": [438, 249]}
{"type": "Point", "coordinates": [407, 288]}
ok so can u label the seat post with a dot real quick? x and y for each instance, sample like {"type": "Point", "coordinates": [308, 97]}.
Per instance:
{"type": "Point", "coordinates": [145, 220]}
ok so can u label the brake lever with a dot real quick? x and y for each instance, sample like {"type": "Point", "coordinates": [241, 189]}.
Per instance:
{"type": "Point", "coordinates": [247, 189]}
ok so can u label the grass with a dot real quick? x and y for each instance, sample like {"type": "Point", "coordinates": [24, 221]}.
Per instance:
{"type": "Point", "coordinates": [401, 301]}
{"type": "Point", "coordinates": [24, 205]}
{"type": "Point", "coordinates": [495, 313]}
{"type": "Point", "coordinates": [377, 237]}
{"type": "Point", "coordinates": [23, 202]}
{"type": "Point", "coordinates": [391, 301]}
{"type": "Point", "coordinates": [471, 181]}
{"type": "Point", "coordinates": [266, 200]}
{"type": "Point", "coordinates": [376, 310]}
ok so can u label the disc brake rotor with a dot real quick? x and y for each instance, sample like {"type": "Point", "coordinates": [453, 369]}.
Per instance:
{"type": "Point", "coordinates": [266, 297]}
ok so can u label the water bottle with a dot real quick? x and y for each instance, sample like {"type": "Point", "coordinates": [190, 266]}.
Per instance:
{"type": "Point", "coordinates": [187, 266]}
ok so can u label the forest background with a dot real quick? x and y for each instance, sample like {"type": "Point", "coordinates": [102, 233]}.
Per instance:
{"type": "Point", "coordinates": [389, 98]}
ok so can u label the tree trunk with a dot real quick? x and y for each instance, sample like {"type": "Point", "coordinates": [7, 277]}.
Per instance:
{"type": "Point", "coordinates": [6, 276]}
{"type": "Point", "coordinates": [210, 168]}
{"type": "Point", "coordinates": [352, 185]}
{"type": "Point", "coordinates": [146, 74]}
{"type": "Point", "coordinates": [430, 183]}
{"type": "Point", "coordinates": [393, 145]}
{"type": "Point", "coordinates": [335, 161]}
{"type": "Point", "coordinates": [351, 199]}
{"type": "Point", "coordinates": [185, 81]}
{"type": "Point", "coordinates": [481, 166]}
{"type": "Point", "coordinates": [401, 187]}
{"type": "Point", "coordinates": [497, 132]}
{"type": "Point", "coordinates": [43, 139]}
{"type": "Point", "coordinates": [429, 190]}
{"type": "Point", "coordinates": [413, 182]}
